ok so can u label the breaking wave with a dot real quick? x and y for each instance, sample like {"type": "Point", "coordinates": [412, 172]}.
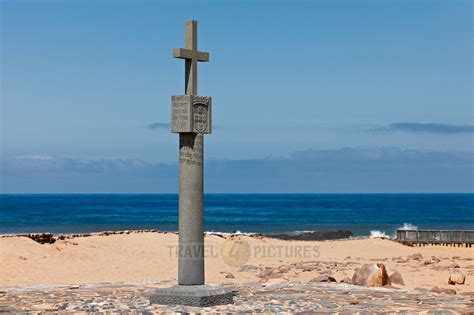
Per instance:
{"type": "Point", "coordinates": [408, 226]}
{"type": "Point", "coordinates": [378, 234]}
{"type": "Point", "coordinates": [382, 234]}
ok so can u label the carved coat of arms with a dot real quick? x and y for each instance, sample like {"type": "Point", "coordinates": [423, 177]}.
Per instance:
{"type": "Point", "coordinates": [200, 117]}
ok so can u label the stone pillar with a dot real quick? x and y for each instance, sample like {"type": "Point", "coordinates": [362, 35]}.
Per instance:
{"type": "Point", "coordinates": [191, 209]}
{"type": "Point", "coordinates": [191, 117]}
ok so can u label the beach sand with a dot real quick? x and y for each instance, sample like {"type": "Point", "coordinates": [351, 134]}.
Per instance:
{"type": "Point", "coordinates": [152, 256]}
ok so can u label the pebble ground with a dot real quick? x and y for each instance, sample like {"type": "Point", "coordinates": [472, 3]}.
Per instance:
{"type": "Point", "coordinates": [284, 297]}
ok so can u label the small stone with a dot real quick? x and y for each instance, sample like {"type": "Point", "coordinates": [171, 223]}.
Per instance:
{"type": "Point", "coordinates": [323, 278]}
{"type": "Point", "coordinates": [265, 273]}
{"type": "Point", "coordinates": [346, 280]}
{"type": "Point", "coordinates": [435, 259]}
{"type": "Point", "coordinates": [7, 309]}
{"type": "Point", "coordinates": [45, 307]}
{"type": "Point", "coordinates": [229, 276]}
{"type": "Point", "coordinates": [416, 256]}
{"type": "Point", "coordinates": [300, 265]}
{"type": "Point", "coordinates": [247, 268]}
{"type": "Point", "coordinates": [353, 300]}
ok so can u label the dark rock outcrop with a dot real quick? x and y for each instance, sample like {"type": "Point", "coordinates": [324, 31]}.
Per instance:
{"type": "Point", "coordinates": [314, 235]}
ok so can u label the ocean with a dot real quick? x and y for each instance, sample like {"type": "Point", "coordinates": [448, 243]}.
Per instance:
{"type": "Point", "coordinates": [363, 214]}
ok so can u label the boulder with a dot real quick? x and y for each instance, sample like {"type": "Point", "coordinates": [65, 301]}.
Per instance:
{"type": "Point", "coordinates": [456, 277]}
{"type": "Point", "coordinates": [323, 278]}
{"type": "Point", "coordinates": [443, 290]}
{"type": "Point", "coordinates": [371, 275]}
{"type": "Point", "coordinates": [396, 277]}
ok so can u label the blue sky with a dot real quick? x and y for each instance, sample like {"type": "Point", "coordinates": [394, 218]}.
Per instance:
{"type": "Point", "coordinates": [86, 89]}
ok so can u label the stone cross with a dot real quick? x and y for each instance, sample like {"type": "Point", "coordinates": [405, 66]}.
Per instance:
{"type": "Point", "coordinates": [192, 56]}
{"type": "Point", "coordinates": [191, 118]}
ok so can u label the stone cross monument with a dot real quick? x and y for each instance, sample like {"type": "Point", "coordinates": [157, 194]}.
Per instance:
{"type": "Point", "coordinates": [191, 118]}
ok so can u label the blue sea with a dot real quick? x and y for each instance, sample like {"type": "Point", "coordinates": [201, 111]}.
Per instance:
{"type": "Point", "coordinates": [247, 213]}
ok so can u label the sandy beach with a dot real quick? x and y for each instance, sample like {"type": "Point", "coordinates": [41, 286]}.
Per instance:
{"type": "Point", "coordinates": [153, 256]}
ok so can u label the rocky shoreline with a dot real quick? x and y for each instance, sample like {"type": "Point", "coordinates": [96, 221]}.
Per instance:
{"type": "Point", "coordinates": [50, 238]}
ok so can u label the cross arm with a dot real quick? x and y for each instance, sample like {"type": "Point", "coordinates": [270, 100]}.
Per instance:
{"type": "Point", "coordinates": [184, 53]}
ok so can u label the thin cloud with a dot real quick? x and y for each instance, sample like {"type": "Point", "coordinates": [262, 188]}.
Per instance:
{"type": "Point", "coordinates": [159, 125]}
{"type": "Point", "coordinates": [435, 128]}
{"type": "Point", "coordinates": [353, 169]}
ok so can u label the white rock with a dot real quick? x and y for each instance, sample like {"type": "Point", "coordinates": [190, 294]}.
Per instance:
{"type": "Point", "coordinates": [456, 277]}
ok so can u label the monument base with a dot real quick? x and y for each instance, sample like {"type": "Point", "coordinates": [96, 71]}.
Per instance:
{"type": "Point", "coordinates": [192, 295]}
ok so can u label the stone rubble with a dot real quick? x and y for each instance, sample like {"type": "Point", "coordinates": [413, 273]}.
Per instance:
{"type": "Point", "coordinates": [278, 297]}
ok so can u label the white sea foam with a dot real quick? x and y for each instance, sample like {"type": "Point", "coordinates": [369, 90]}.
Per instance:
{"type": "Point", "coordinates": [227, 233]}
{"type": "Point", "coordinates": [378, 234]}
{"type": "Point", "coordinates": [408, 226]}
{"type": "Point", "coordinates": [405, 226]}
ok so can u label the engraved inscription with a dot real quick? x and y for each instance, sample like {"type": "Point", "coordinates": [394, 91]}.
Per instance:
{"type": "Point", "coordinates": [191, 149]}
{"type": "Point", "coordinates": [180, 115]}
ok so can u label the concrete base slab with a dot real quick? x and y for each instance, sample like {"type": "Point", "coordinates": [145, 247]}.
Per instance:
{"type": "Point", "coordinates": [192, 295]}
